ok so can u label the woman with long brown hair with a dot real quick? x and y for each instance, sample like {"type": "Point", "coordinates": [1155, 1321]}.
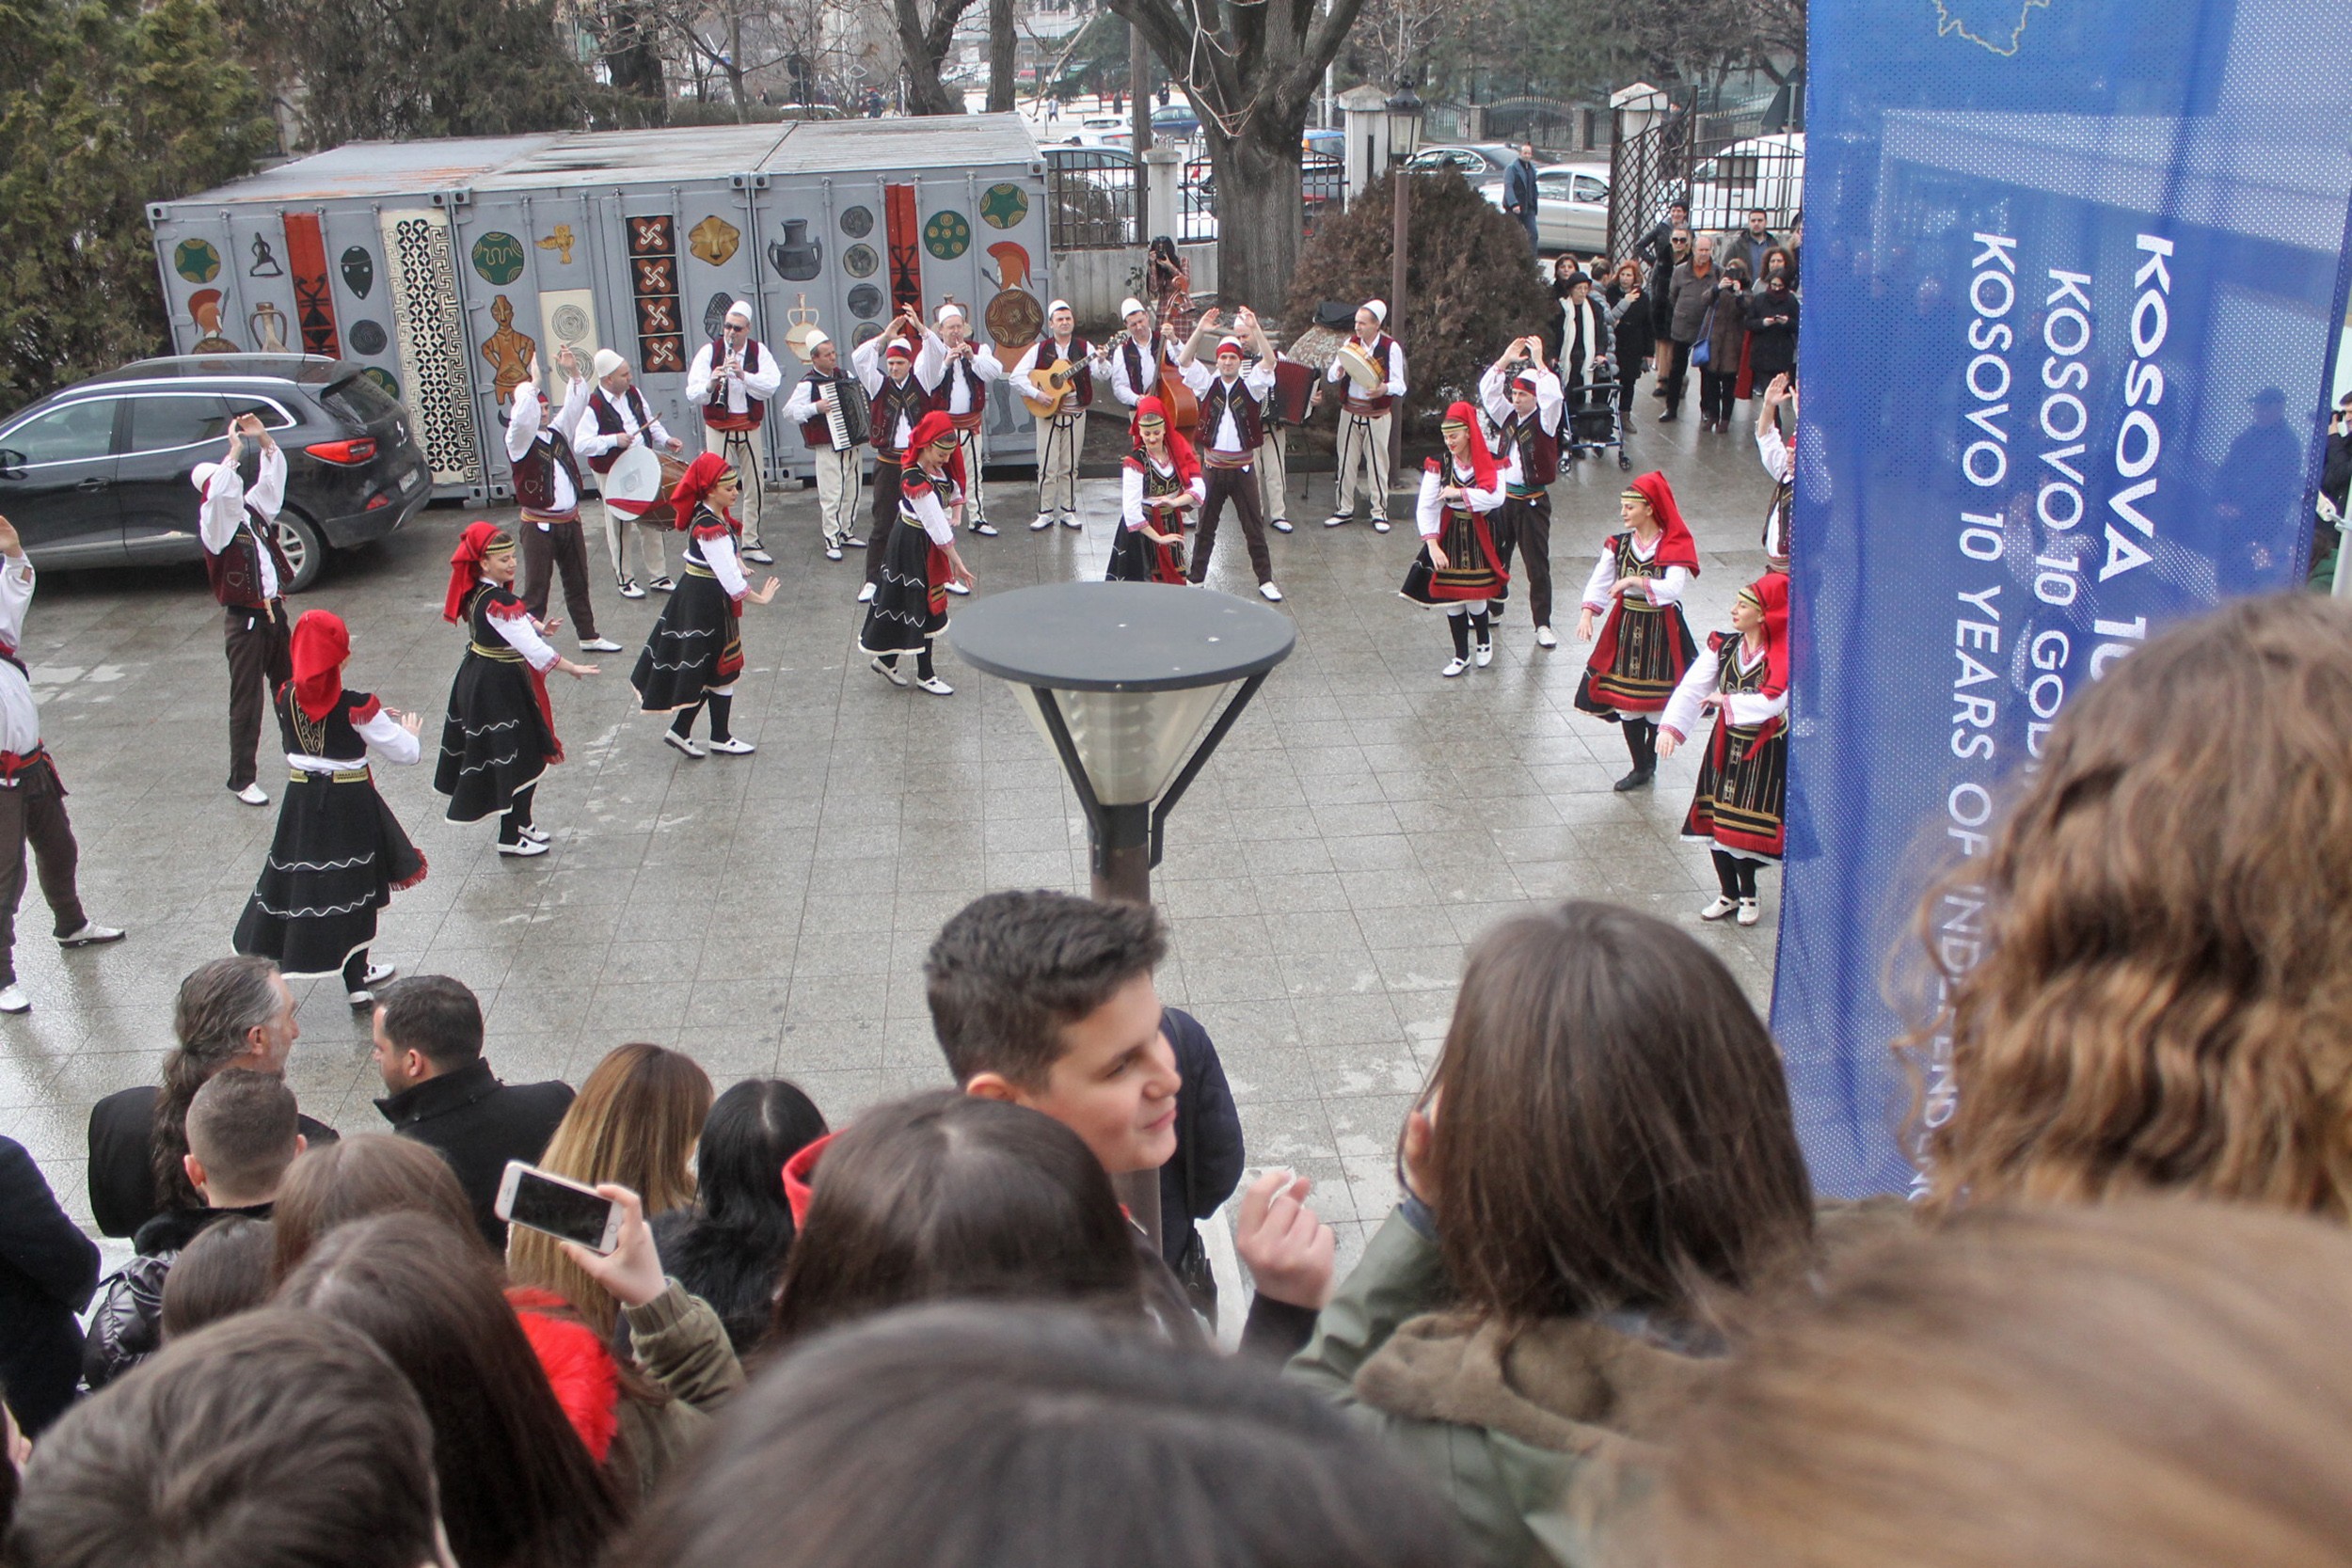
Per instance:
{"type": "Point", "coordinates": [1604, 1157]}
{"type": "Point", "coordinates": [635, 1124]}
{"type": "Point", "coordinates": [2164, 996]}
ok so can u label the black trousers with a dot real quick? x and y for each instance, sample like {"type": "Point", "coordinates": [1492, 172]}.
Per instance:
{"type": "Point", "coordinates": [1715, 389]}
{"type": "Point", "coordinates": [1240, 487]}
{"type": "Point", "coordinates": [1735, 873]}
{"type": "Point", "coordinates": [32, 811]}
{"type": "Point", "coordinates": [560, 547]}
{"type": "Point", "coordinates": [885, 515]}
{"type": "Point", "coordinates": [1628, 378]}
{"type": "Point", "coordinates": [258, 663]}
{"type": "Point", "coordinates": [1524, 523]}
{"type": "Point", "coordinates": [1674, 367]}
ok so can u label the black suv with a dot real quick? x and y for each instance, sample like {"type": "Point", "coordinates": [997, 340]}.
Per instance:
{"type": "Point", "coordinates": [97, 475]}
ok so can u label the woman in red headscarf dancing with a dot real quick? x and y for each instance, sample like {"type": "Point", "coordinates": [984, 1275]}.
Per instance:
{"type": "Point", "coordinates": [695, 652]}
{"type": "Point", "coordinates": [1158, 482]}
{"type": "Point", "coordinates": [1645, 643]}
{"type": "Point", "coordinates": [339, 854]}
{"type": "Point", "coordinates": [499, 735]}
{"type": "Point", "coordinates": [909, 605]}
{"type": "Point", "coordinates": [1741, 676]}
{"type": "Point", "coordinates": [1459, 567]}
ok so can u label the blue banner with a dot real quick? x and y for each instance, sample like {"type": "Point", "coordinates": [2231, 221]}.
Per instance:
{"type": "Point", "coordinates": [2072, 287]}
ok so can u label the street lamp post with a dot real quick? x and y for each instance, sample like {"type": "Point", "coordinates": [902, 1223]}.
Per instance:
{"type": "Point", "coordinates": [1121, 678]}
{"type": "Point", "coordinates": [1403, 141]}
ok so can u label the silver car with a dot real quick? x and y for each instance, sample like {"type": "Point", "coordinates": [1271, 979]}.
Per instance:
{"type": "Point", "coordinates": [1571, 207]}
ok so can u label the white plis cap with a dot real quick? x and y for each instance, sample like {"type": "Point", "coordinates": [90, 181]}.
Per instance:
{"type": "Point", "coordinates": [1128, 306]}
{"type": "Point", "coordinates": [1057, 305]}
{"type": "Point", "coordinates": [950, 311]}
{"type": "Point", "coordinates": [607, 362]}
{"type": "Point", "coordinates": [1380, 308]}
{"type": "Point", "coordinates": [817, 339]}
{"type": "Point", "coordinates": [741, 308]}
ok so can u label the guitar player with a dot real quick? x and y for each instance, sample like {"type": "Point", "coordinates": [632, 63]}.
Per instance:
{"type": "Point", "coordinates": [1068, 361]}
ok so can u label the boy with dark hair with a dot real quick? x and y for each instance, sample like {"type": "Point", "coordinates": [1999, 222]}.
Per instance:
{"type": "Point", "coordinates": [442, 1094]}
{"type": "Point", "coordinates": [243, 1131]}
{"type": "Point", "coordinates": [1046, 1000]}
{"type": "Point", "coordinates": [277, 1439]}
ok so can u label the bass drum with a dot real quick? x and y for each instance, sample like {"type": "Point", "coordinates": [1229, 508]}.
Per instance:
{"type": "Point", "coordinates": [639, 484]}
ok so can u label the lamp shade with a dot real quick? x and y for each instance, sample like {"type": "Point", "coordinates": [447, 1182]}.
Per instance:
{"type": "Point", "coordinates": [1405, 110]}
{"type": "Point", "coordinates": [1132, 668]}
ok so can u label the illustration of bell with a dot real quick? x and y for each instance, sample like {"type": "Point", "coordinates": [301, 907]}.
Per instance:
{"type": "Point", "coordinates": [796, 256]}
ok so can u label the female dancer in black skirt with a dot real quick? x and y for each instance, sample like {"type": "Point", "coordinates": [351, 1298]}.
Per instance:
{"type": "Point", "coordinates": [1645, 643]}
{"type": "Point", "coordinates": [910, 607]}
{"type": "Point", "coordinates": [339, 854]}
{"type": "Point", "coordinates": [1157, 481]}
{"type": "Point", "coordinates": [1459, 567]}
{"type": "Point", "coordinates": [499, 735]}
{"type": "Point", "coordinates": [1741, 676]}
{"type": "Point", "coordinates": [695, 651]}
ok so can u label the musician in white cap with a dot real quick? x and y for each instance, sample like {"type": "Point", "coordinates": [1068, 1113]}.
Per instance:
{"type": "Point", "coordinates": [617, 418]}
{"type": "Point", "coordinates": [731, 380]}
{"type": "Point", "coordinates": [966, 370]}
{"type": "Point", "coordinates": [1061, 431]}
{"type": "Point", "coordinates": [1367, 417]}
{"type": "Point", "coordinates": [542, 448]}
{"type": "Point", "coordinates": [815, 406]}
{"type": "Point", "coordinates": [1139, 357]}
{"type": "Point", "coordinates": [1233, 404]}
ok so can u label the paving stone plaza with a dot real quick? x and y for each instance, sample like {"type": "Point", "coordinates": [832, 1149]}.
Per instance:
{"type": "Point", "coordinates": [769, 914]}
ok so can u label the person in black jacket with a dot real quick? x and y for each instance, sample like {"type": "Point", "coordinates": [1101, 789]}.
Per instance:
{"type": "Point", "coordinates": [442, 1094]}
{"type": "Point", "coordinates": [230, 1013]}
{"type": "Point", "coordinates": [1636, 337]}
{"type": "Point", "coordinates": [241, 1139]}
{"type": "Point", "coordinates": [729, 1248]}
{"type": "Point", "coordinates": [1207, 1165]}
{"type": "Point", "coordinates": [48, 1269]}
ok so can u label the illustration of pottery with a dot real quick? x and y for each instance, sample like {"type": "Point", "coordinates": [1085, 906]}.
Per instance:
{"type": "Point", "coordinates": [269, 329]}
{"type": "Point", "coordinates": [796, 256]}
{"type": "Point", "coordinates": [800, 322]}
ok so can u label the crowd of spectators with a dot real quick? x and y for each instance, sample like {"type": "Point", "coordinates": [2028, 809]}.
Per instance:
{"type": "Point", "coordinates": [1608, 1322]}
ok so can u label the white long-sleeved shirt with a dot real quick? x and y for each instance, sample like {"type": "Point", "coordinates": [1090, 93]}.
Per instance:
{"type": "Point", "coordinates": [1774, 453]}
{"type": "Point", "coordinates": [591, 440]}
{"type": "Point", "coordinates": [1256, 382]}
{"type": "Point", "coordinates": [523, 427]}
{"type": "Point", "coordinates": [1037, 356]}
{"type": "Point", "coordinates": [930, 511]}
{"type": "Point", "coordinates": [735, 389]}
{"type": "Point", "coordinates": [802, 403]}
{"type": "Point", "coordinates": [718, 553]}
{"type": "Point", "coordinates": [1698, 684]}
{"type": "Point", "coordinates": [985, 365]}
{"type": "Point", "coordinates": [1429, 512]}
{"type": "Point", "coordinates": [1494, 395]}
{"type": "Point", "coordinates": [1666, 590]}
{"type": "Point", "coordinates": [1396, 388]}
{"type": "Point", "coordinates": [20, 721]}
{"type": "Point", "coordinates": [1152, 351]}
{"type": "Point", "coordinates": [1134, 514]}
{"type": "Point", "coordinates": [866, 358]}
{"type": "Point", "coordinates": [521, 633]}
{"type": "Point", "coordinates": [382, 732]}
{"type": "Point", "coordinates": [223, 512]}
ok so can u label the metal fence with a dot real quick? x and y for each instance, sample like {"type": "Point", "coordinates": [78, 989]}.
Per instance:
{"type": "Point", "coordinates": [1720, 165]}
{"type": "Point", "coordinates": [1322, 192]}
{"type": "Point", "coordinates": [1093, 194]}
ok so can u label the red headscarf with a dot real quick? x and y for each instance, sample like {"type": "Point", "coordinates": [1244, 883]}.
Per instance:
{"type": "Point", "coordinates": [1771, 594]}
{"type": "Point", "coordinates": [702, 475]}
{"type": "Point", "coordinates": [465, 567]}
{"type": "Point", "coordinates": [1678, 549]}
{"type": "Point", "coordinates": [1179, 451]}
{"type": "Point", "coordinates": [321, 643]}
{"type": "Point", "coordinates": [932, 428]}
{"type": "Point", "coordinates": [1482, 461]}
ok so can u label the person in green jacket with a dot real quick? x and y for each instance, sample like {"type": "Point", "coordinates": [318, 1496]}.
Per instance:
{"type": "Point", "coordinates": [1603, 1157]}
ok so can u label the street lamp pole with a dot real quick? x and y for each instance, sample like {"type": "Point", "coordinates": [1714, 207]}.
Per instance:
{"type": "Point", "coordinates": [1404, 111]}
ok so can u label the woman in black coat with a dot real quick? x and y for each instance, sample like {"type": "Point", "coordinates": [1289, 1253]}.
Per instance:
{"type": "Point", "coordinates": [1771, 323]}
{"type": "Point", "coordinates": [48, 1269]}
{"type": "Point", "coordinates": [729, 1248]}
{"type": "Point", "coordinates": [1637, 336]}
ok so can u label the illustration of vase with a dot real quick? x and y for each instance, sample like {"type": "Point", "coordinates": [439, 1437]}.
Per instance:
{"type": "Point", "coordinates": [796, 256]}
{"type": "Point", "coordinates": [269, 329]}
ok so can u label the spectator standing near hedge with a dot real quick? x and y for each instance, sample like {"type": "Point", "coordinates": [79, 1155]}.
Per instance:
{"type": "Point", "coordinates": [1520, 194]}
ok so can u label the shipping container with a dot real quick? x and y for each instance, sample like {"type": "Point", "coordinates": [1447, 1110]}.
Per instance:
{"type": "Point", "coordinates": [440, 265]}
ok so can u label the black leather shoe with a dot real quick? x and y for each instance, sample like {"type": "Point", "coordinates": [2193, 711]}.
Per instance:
{"type": "Point", "coordinates": [1635, 780]}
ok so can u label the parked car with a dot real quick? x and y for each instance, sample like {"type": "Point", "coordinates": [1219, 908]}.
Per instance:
{"type": "Point", "coordinates": [96, 474]}
{"type": "Point", "coordinates": [1176, 122]}
{"type": "Point", "coordinates": [1571, 207]}
{"type": "Point", "coordinates": [1761, 171]}
{"type": "Point", "coordinates": [1477, 161]}
{"type": "Point", "coordinates": [1329, 141]}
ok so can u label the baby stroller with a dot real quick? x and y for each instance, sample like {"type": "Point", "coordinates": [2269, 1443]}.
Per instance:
{"type": "Point", "coordinates": [1589, 421]}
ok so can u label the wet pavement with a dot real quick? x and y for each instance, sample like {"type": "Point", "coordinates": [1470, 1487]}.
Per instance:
{"type": "Point", "coordinates": [769, 914]}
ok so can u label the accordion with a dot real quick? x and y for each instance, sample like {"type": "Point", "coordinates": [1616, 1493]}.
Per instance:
{"type": "Point", "coordinates": [847, 418]}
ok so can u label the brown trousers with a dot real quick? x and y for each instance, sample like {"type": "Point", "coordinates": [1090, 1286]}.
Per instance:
{"type": "Point", "coordinates": [258, 663]}
{"type": "Point", "coordinates": [561, 548]}
{"type": "Point", "coordinates": [32, 811]}
{"type": "Point", "coordinates": [1240, 487]}
{"type": "Point", "coordinates": [886, 487]}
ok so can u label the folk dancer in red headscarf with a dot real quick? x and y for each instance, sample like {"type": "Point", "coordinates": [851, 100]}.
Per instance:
{"type": "Point", "coordinates": [1742, 675]}
{"type": "Point", "coordinates": [339, 855]}
{"type": "Point", "coordinates": [695, 652]}
{"type": "Point", "coordinates": [909, 605]}
{"type": "Point", "coordinates": [1158, 482]}
{"type": "Point", "coordinates": [1645, 643]}
{"type": "Point", "coordinates": [499, 735]}
{"type": "Point", "coordinates": [1459, 567]}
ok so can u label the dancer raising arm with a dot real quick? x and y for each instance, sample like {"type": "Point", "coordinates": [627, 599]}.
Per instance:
{"type": "Point", "coordinates": [695, 652]}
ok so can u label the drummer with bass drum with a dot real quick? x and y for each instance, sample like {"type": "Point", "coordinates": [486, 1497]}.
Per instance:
{"type": "Point", "coordinates": [616, 420]}
{"type": "Point", "coordinates": [829, 406]}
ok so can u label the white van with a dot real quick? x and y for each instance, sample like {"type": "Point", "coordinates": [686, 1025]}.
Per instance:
{"type": "Point", "coordinates": [1761, 171]}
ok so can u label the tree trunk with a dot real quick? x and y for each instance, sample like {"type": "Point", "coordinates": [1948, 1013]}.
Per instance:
{"type": "Point", "coordinates": [923, 47]}
{"type": "Point", "coordinates": [1258, 214]}
{"type": "Point", "coordinates": [735, 69]}
{"type": "Point", "coordinates": [1004, 58]}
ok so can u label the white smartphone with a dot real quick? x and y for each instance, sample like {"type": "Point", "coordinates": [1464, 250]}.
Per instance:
{"type": "Point", "coordinates": [559, 1205]}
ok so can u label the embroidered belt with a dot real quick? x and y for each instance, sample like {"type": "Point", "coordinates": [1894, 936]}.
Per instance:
{"type": "Point", "coordinates": [341, 775]}
{"type": "Point", "coordinates": [532, 515]}
{"type": "Point", "coordinates": [1526, 492]}
{"type": "Point", "coordinates": [696, 569]}
{"type": "Point", "coordinates": [1366, 410]}
{"type": "Point", "coordinates": [968, 421]}
{"type": "Point", "coordinates": [504, 654]}
{"type": "Point", "coordinates": [11, 763]}
{"type": "Point", "coordinates": [1231, 459]}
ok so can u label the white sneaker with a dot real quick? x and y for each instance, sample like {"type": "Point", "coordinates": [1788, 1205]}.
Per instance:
{"type": "Point", "coordinates": [851, 541]}
{"type": "Point", "coordinates": [1544, 638]}
{"type": "Point", "coordinates": [1267, 592]}
{"type": "Point", "coordinates": [692, 746]}
{"type": "Point", "coordinates": [13, 1000]}
{"type": "Point", "coordinates": [758, 556]}
{"type": "Point", "coordinates": [866, 594]}
{"type": "Point", "coordinates": [253, 794]}
{"type": "Point", "coordinates": [833, 551]}
{"type": "Point", "coordinates": [958, 590]}
{"type": "Point", "coordinates": [1379, 525]}
{"type": "Point", "coordinates": [936, 687]}
{"type": "Point", "coordinates": [629, 590]}
{"type": "Point", "coordinates": [1750, 911]}
{"type": "Point", "coordinates": [731, 747]}
{"type": "Point", "coordinates": [1282, 525]}
{"type": "Point", "coordinates": [663, 585]}
{"type": "Point", "coordinates": [1454, 666]}
{"type": "Point", "coordinates": [600, 645]}
{"type": "Point", "coordinates": [537, 835]}
{"type": "Point", "coordinates": [1337, 519]}
{"type": "Point", "coordinates": [524, 848]}
{"type": "Point", "coordinates": [985, 529]}
{"type": "Point", "coordinates": [1719, 908]}
{"type": "Point", "coordinates": [377, 974]}
{"type": "Point", "coordinates": [1044, 521]}
{"type": "Point", "coordinates": [90, 935]}
{"type": "Point", "coordinates": [890, 673]}
{"type": "Point", "coordinates": [1069, 519]}
{"type": "Point", "coordinates": [1485, 655]}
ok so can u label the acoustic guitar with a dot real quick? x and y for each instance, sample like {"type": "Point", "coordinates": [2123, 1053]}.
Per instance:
{"type": "Point", "coordinates": [1049, 390]}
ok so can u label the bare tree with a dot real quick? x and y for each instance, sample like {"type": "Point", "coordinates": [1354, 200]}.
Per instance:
{"type": "Point", "coordinates": [1004, 56]}
{"type": "Point", "coordinates": [923, 44]}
